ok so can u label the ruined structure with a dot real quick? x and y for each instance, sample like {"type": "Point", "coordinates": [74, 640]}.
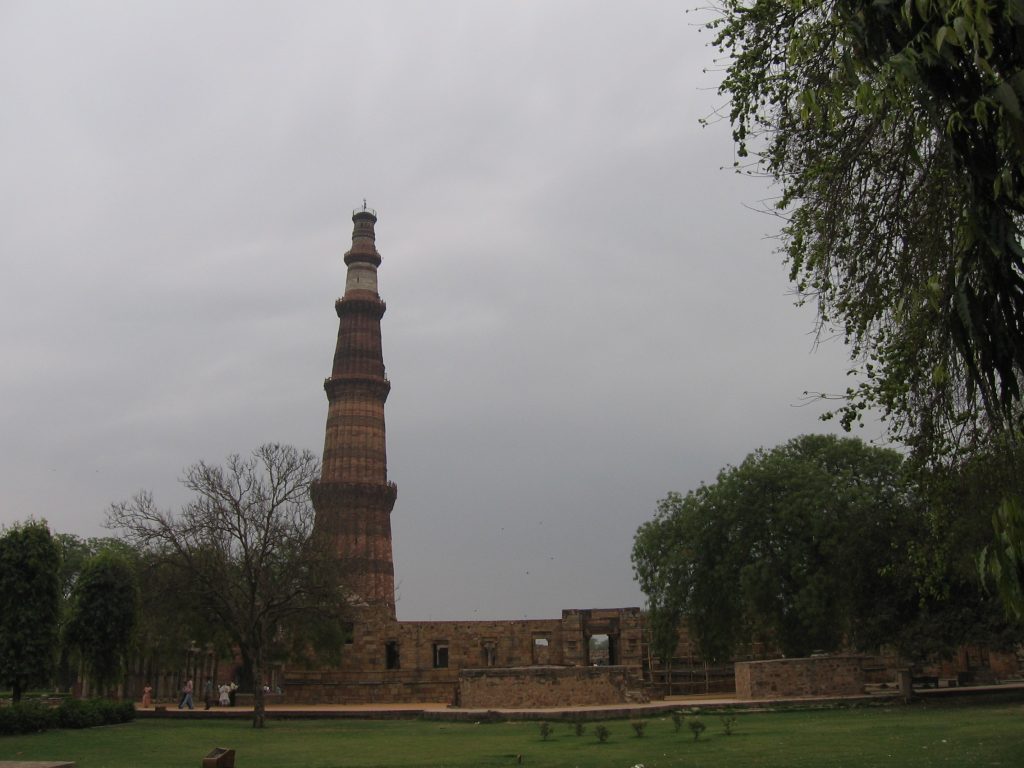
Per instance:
{"type": "Point", "coordinates": [389, 660]}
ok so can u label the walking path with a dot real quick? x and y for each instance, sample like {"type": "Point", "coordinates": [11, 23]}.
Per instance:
{"type": "Point", "coordinates": [435, 711]}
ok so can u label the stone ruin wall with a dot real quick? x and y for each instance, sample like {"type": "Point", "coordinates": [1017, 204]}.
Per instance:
{"type": "Point", "coordinates": [420, 661]}
{"type": "Point", "coordinates": [794, 678]}
{"type": "Point", "coordinates": [549, 687]}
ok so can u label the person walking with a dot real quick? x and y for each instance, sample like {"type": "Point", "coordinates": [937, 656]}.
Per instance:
{"type": "Point", "coordinates": [186, 696]}
{"type": "Point", "coordinates": [208, 692]}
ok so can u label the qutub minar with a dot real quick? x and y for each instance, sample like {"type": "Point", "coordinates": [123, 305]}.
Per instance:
{"type": "Point", "coordinates": [353, 500]}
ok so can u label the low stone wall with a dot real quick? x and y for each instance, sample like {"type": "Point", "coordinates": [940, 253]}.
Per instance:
{"type": "Point", "coordinates": [547, 687]}
{"type": "Point", "coordinates": [437, 686]}
{"type": "Point", "coordinates": [784, 678]}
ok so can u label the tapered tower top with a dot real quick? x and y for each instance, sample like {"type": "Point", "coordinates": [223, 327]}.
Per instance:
{"type": "Point", "coordinates": [362, 258]}
{"type": "Point", "coordinates": [364, 246]}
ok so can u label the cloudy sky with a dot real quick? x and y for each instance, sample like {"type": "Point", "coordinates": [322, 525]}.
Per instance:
{"type": "Point", "coordinates": [584, 310]}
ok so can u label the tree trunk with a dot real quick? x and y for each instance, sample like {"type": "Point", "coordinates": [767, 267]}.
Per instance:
{"type": "Point", "coordinates": [16, 691]}
{"type": "Point", "coordinates": [259, 708]}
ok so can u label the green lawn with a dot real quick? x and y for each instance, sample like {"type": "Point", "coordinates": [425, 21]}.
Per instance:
{"type": "Point", "coordinates": [968, 736]}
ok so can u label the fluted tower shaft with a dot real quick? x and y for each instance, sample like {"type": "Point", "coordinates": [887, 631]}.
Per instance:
{"type": "Point", "coordinates": [353, 499]}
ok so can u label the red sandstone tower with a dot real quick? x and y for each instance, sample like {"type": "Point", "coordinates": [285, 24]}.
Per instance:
{"type": "Point", "coordinates": [353, 499]}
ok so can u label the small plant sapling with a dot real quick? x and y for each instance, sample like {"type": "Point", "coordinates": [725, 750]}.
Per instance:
{"type": "Point", "coordinates": [697, 727]}
{"type": "Point", "coordinates": [677, 720]}
{"type": "Point", "coordinates": [579, 728]}
{"type": "Point", "coordinates": [638, 727]}
{"type": "Point", "coordinates": [728, 723]}
{"type": "Point", "coordinates": [545, 730]}
{"type": "Point", "coordinates": [602, 733]}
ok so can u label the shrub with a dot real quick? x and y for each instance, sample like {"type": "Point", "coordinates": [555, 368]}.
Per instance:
{"type": "Point", "coordinates": [579, 728]}
{"type": "Point", "coordinates": [602, 733]}
{"type": "Point", "coordinates": [545, 730]}
{"type": "Point", "coordinates": [25, 717]}
{"type": "Point", "coordinates": [77, 713]}
{"type": "Point", "coordinates": [32, 717]}
{"type": "Point", "coordinates": [728, 723]}
{"type": "Point", "coordinates": [638, 727]}
{"type": "Point", "coordinates": [697, 727]}
{"type": "Point", "coordinates": [677, 720]}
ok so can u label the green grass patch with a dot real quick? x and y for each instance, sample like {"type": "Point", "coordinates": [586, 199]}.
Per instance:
{"type": "Point", "coordinates": [967, 736]}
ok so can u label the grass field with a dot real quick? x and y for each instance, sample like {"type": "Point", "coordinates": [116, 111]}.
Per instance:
{"type": "Point", "coordinates": [967, 736]}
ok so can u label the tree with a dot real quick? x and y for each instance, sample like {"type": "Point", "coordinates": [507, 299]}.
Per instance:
{"type": "Point", "coordinates": [29, 605]}
{"type": "Point", "coordinates": [246, 556]}
{"type": "Point", "coordinates": [794, 546]}
{"type": "Point", "coordinates": [663, 624]}
{"type": "Point", "coordinates": [895, 131]}
{"type": "Point", "coordinates": [103, 616]}
{"type": "Point", "coordinates": [75, 554]}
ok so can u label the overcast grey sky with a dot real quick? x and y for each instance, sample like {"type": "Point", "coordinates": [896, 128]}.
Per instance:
{"type": "Point", "coordinates": [583, 310]}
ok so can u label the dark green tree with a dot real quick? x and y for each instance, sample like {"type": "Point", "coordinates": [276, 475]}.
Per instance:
{"type": "Point", "coordinates": [795, 546]}
{"type": "Point", "coordinates": [29, 606]}
{"type": "Point", "coordinates": [663, 624]}
{"type": "Point", "coordinates": [245, 556]}
{"type": "Point", "coordinates": [895, 131]}
{"type": "Point", "coordinates": [75, 553]}
{"type": "Point", "coordinates": [103, 616]}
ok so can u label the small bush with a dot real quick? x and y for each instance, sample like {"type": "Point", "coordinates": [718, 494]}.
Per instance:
{"type": "Point", "coordinates": [545, 730]}
{"type": "Point", "coordinates": [677, 720]}
{"type": "Point", "coordinates": [602, 733]}
{"type": "Point", "coordinates": [32, 717]}
{"type": "Point", "coordinates": [728, 723]}
{"type": "Point", "coordinates": [579, 728]}
{"type": "Point", "coordinates": [25, 717]}
{"type": "Point", "coordinates": [638, 727]}
{"type": "Point", "coordinates": [697, 727]}
{"type": "Point", "coordinates": [77, 713]}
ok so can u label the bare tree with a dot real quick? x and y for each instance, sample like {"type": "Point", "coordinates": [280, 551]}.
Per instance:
{"type": "Point", "coordinates": [246, 552]}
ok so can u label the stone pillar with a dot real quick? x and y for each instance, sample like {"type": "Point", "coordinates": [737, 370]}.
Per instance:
{"type": "Point", "coordinates": [353, 498]}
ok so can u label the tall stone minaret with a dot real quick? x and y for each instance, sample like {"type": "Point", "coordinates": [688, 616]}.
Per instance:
{"type": "Point", "coordinates": [353, 499]}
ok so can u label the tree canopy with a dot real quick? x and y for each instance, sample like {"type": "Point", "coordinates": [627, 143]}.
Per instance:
{"type": "Point", "coordinates": [104, 613]}
{"type": "Point", "coordinates": [821, 544]}
{"type": "Point", "coordinates": [29, 605]}
{"type": "Point", "coordinates": [242, 554]}
{"type": "Point", "coordinates": [793, 546]}
{"type": "Point", "coordinates": [895, 131]}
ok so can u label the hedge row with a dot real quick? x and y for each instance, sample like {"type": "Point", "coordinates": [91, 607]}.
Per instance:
{"type": "Point", "coordinates": [32, 717]}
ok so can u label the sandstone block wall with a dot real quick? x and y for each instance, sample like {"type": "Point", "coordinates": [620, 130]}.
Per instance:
{"type": "Point", "coordinates": [410, 661]}
{"type": "Point", "coordinates": [784, 678]}
{"type": "Point", "coordinates": [545, 687]}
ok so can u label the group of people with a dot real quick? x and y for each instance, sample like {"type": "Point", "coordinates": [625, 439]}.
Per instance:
{"type": "Point", "coordinates": [224, 695]}
{"type": "Point", "coordinates": [225, 699]}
